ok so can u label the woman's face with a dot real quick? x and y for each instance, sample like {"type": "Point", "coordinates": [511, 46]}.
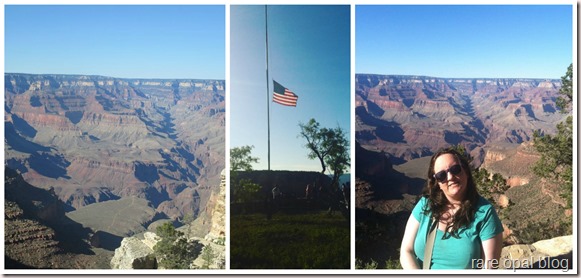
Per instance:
{"type": "Point", "coordinates": [454, 186]}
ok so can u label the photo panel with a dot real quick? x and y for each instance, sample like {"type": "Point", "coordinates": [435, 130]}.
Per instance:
{"type": "Point", "coordinates": [290, 75]}
{"type": "Point", "coordinates": [114, 144]}
{"type": "Point", "coordinates": [465, 117]}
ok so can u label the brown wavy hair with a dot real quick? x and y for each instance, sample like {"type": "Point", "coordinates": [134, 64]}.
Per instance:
{"type": "Point", "coordinates": [437, 201]}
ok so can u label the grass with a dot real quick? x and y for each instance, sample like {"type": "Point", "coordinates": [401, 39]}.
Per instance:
{"type": "Point", "coordinates": [378, 240]}
{"type": "Point", "coordinates": [311, 240]}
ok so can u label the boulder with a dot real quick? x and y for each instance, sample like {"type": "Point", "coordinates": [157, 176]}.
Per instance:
{"type": "Point", "coordinates": [150, 239]}
{"type": "Point", "coordinates": [555, 246]}
{"type": "Point", "coordinates": [133, 254]}
{"type": "Point", "coordinates": [555, 253]}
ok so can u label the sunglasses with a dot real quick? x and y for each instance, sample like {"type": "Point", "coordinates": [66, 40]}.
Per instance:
{"type": "Point", "coordinates": [442, 176]}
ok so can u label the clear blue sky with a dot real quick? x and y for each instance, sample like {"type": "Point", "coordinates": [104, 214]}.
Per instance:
{"type": "Point", "coordinates": [524, 41]}
{"type": "Point", "coordinates": [130, 41]}
{"type": "Point", "coordinates": [309, 53]}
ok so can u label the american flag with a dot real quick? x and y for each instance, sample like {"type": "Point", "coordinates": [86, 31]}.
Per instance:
{"type": "Point", "coordinates": [283, 95]}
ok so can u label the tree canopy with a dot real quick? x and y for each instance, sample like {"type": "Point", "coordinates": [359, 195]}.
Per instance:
{"type": "Point", "coordinates": [174, 251]}
{"type": "Point", "coordinates": [329, 145]}
{"type": "Point", "coordinates": [241, 159]}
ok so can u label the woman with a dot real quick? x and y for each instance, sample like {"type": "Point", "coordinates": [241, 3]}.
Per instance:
{"type": "Point", "coordinates": [468, 230]}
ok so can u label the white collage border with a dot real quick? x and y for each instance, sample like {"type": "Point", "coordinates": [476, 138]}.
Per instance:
{"type": "Point", "coordinates": [292, 272]}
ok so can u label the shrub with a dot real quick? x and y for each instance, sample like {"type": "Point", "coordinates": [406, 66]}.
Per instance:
{"type": "Point", "coordinates": [208, 256]}
{"type": "Point", "coordinates": [174, 251]}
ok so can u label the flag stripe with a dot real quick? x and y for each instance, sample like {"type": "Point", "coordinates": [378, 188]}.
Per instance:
{"type": "Point", "coordinates": [291, 98]}
{"type": "Point", "coordinates": [285, 102]}
{"type": "Point", "coordinates": [283, 95]}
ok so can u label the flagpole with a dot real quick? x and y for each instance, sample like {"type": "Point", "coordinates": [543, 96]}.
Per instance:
{"type": "Point", "coordinates": [267, 84]}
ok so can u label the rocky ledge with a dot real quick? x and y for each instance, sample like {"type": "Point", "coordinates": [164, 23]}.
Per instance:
{"type": "Point", "coordinates": [555, 253]}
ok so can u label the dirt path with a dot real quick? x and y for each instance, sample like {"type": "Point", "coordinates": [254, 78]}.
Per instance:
{"type": "Point", "coordinates": [554, 199]}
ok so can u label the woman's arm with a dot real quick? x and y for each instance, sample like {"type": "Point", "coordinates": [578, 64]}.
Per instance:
{"type": "Point", "coordinates": [406, 256]}
{"type": "Point", "coordinates": [492, 248]}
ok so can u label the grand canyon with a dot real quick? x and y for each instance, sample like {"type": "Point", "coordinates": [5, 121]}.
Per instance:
{"type": "Point", "coordinates": [117, 154]}
{"type": "Point", "coordinates": [412, 116]}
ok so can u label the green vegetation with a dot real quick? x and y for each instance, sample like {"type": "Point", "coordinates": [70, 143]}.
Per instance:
{"type": "Point", "coordinates": [389, 264]}
{"type": "Point", "coordinates": [361, 265]}
{"type": "Point", "coordinates": [489, 185]}
{"type": "Point", "coordinates": [208, 256]}
{"type": "Point", "coordinates": [174, 251]}
{"type": "Point", "coordinates": [187, 221]}
{"type": "Point", "coordinates": [290, 241]}
{"type": "Point", "coordinates": [378, 239]}
{"type": "Point", "coordinates": [245, 191]}
{"type": "Point", "coordinates": [537, 231]}
{"type": "Point", "coordinates": [462, 151]}
{"type": "Point", "coordinates": [329, 145]}
{"type": "Point", "coordinates": [241, 160]}
{"type": "Point", "coordinates": [556, 162]}
{"type": "Point", "coordinates": [220, 241]}
{"type": "Point", "coordinates": [533, 216]}
{"type": "Point", "coordinates": [566, 89]}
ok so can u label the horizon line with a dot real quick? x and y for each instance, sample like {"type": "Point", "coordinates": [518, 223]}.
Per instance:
{"type": "Point", "coordinates": [112, 77]}
{"type": "Point", "coordinates": [486, 78]}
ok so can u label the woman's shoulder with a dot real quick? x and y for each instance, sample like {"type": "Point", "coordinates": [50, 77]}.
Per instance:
{"type": "Point", "coordinates": [420, 208]}
{"type": "Point", "coordinates": [484, 206]}
{"type": "Point", "coordinates": [423, 202]}
{"type": "Point", "coordinates": [423, 199]}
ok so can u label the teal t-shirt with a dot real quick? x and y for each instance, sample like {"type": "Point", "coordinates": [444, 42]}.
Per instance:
{"type": "Point", "coordinates": [457, 253]}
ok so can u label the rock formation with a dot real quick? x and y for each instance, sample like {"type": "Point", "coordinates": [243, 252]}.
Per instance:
{"type": "Point", "coordinates": [413, 116]}
{"type": "Point", "coordinates": [218, 213]}
{"type": "Point", "coordinates": [92, 139]}
{"type": "Point", "coordinates": [37, 234]}
{"type": "Point", "coordinates": [27, 243]}
{"type": "Point", "coordinates": [136, 252]}
{"type": "Point", "coordinates": [529, 199]}
{"type": "Point", "coordinates": [555, 253]}
{"type": "Point", "coordinates": [95, 138]}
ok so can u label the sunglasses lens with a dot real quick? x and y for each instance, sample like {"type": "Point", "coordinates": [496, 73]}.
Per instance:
{"type": "Point", "coordinates": [455, 170]}
{"type": "Point", "coordinates": [441, 176]}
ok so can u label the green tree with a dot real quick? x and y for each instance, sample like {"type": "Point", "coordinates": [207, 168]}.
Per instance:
{"type": "Point", "coordinates": [329, 145]}
{"type": "Point", "coordinates": [462, 151]}
{"type": "Point", "coordinates": [241, 160]}
{"type": "Point", "coordinates": [174, 251]}
{"type": "Point", "coordinates": [489, 185]}
{"type": "Point", "coordinates": [566, 90]}
{"type": "Point", "coordinates": [247, 191]}
{"type": "Point", "coordinates": [187, 220]}
{"type": "Point", "coordinates": [556, 162]}
{"type": "Point", "coordinates": [208, 256]}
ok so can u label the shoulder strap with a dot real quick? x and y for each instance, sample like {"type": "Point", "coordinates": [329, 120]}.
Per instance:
{"type": "Point", "coordinates": [430, 243]}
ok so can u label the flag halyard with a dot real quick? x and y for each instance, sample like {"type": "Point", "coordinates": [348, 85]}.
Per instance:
{"type": "Point", "coordinates": [284, 96]}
